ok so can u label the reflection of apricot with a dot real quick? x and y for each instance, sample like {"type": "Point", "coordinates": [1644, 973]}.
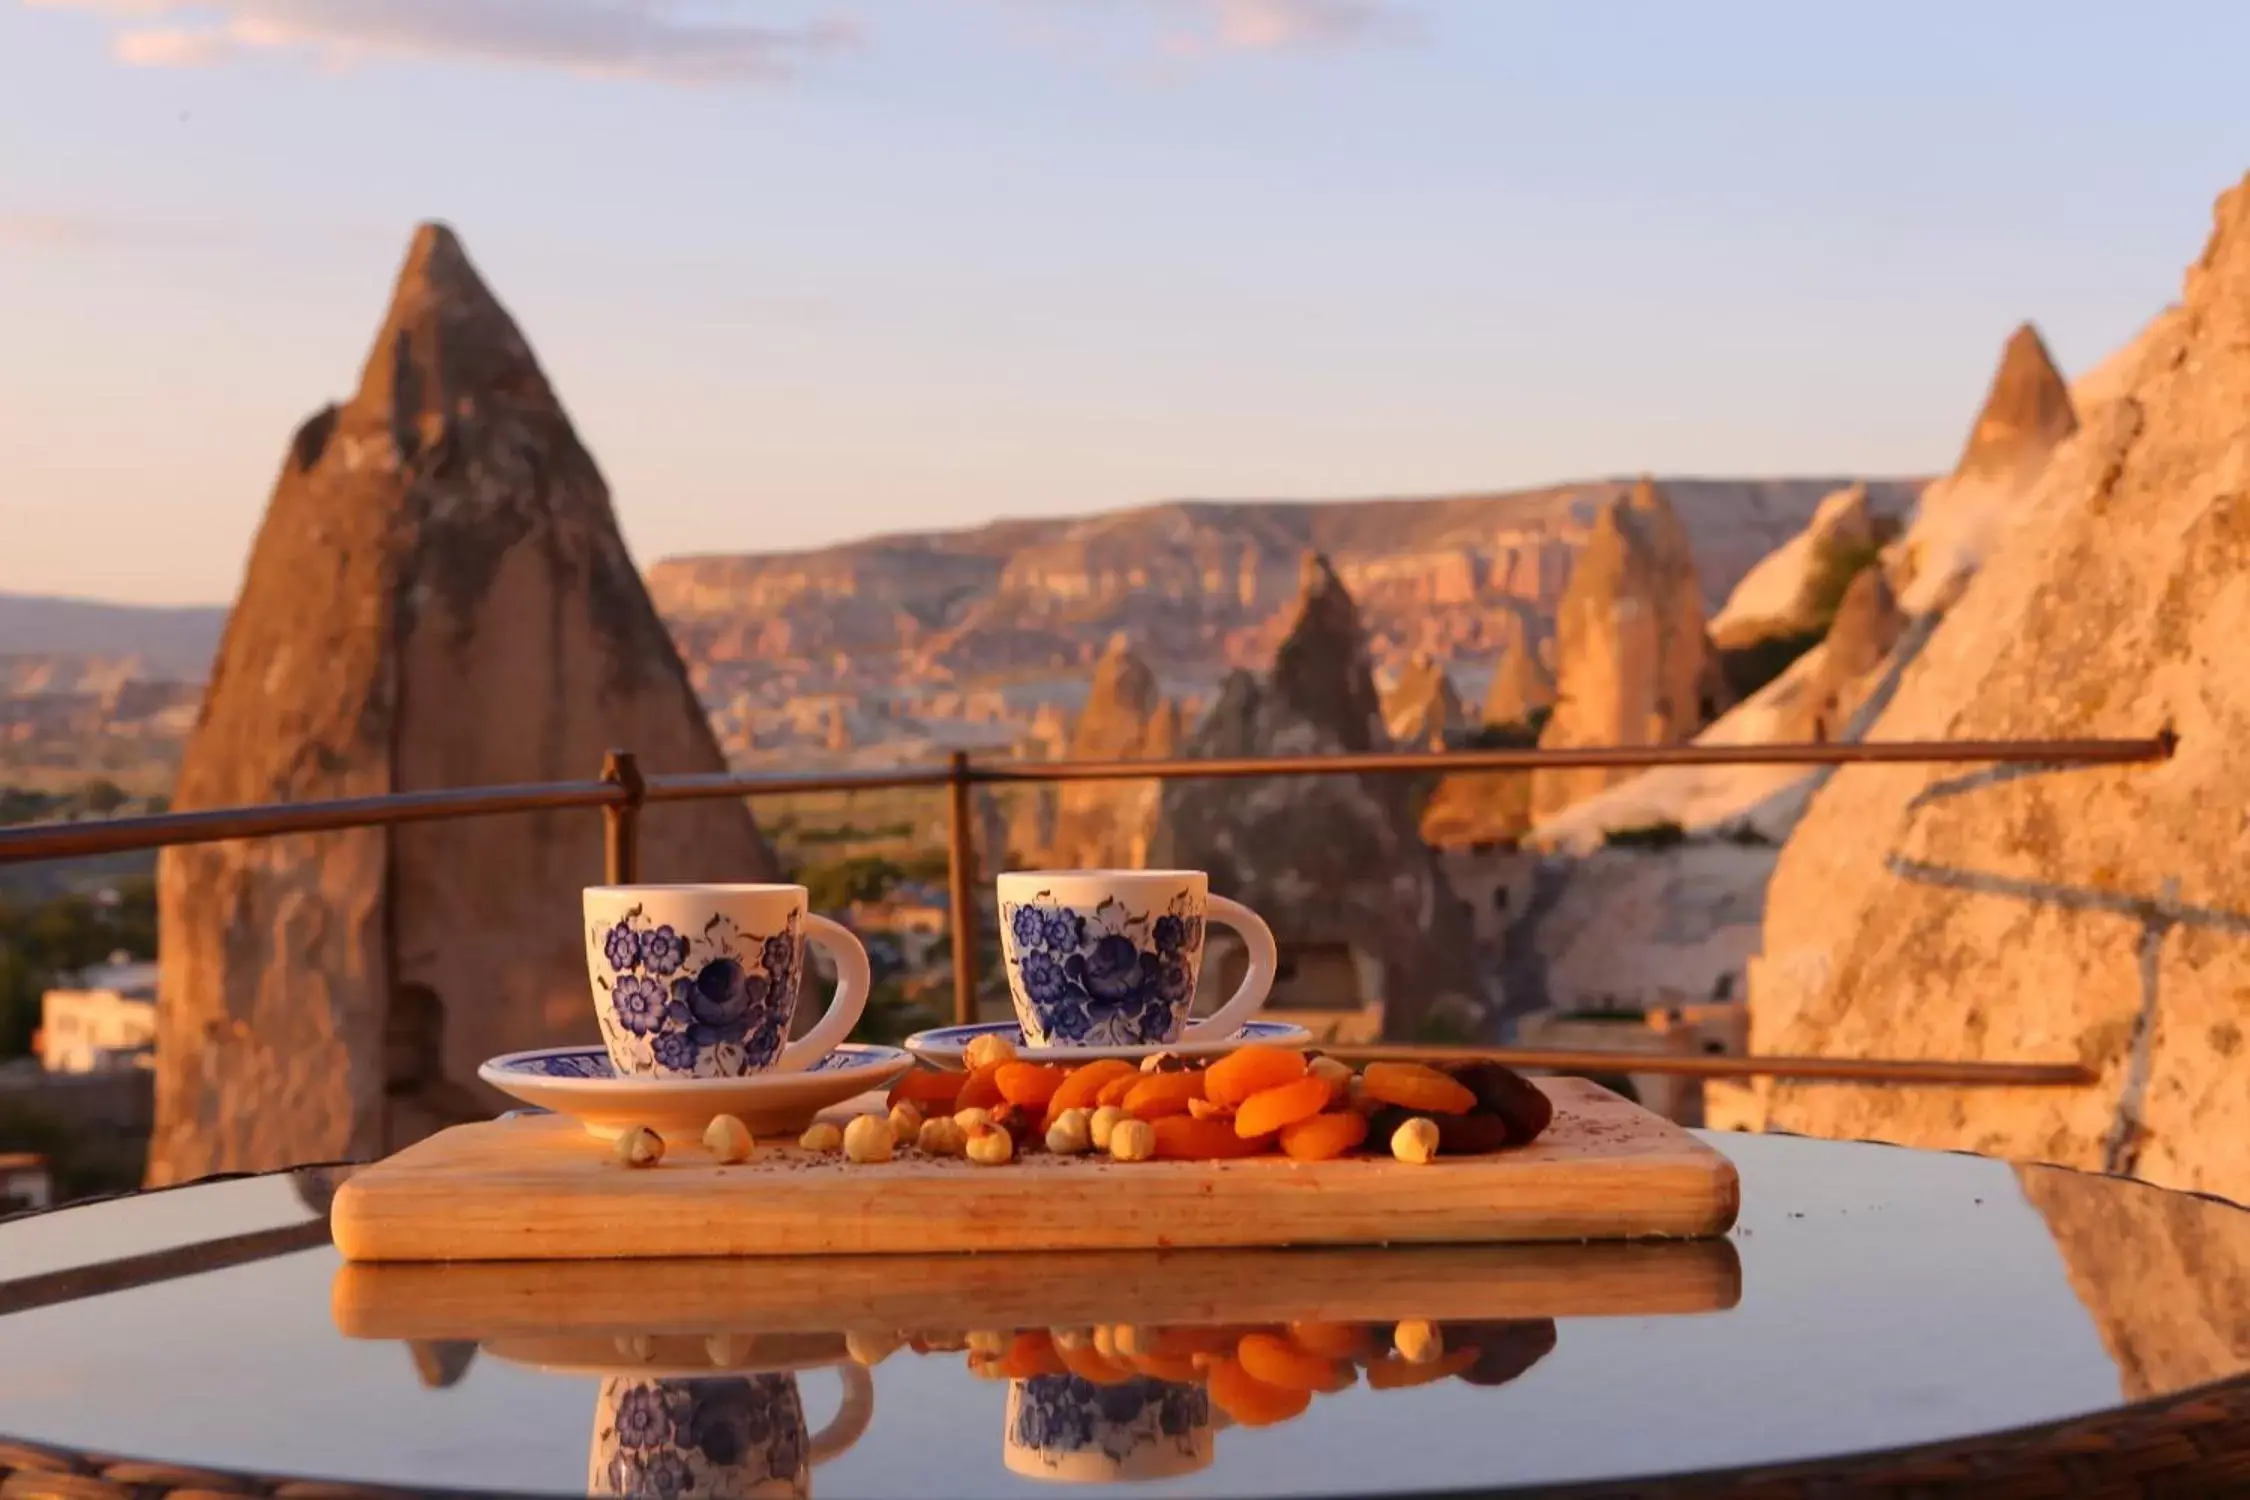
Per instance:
{"type": "Point", "coordinates": [1089, 1365]}
{"type": "Point", "coordinates": [1399, 1374]}
{"type": "Point", "coordinates": [1031, 1353]}
{"type": "Point", "coordinates": [1332, 1340]}
{"type": "Point", "coordinates": [1268, 1110]}
{"type": "Point", "coordinates": [1194, 1340]}
{"type": "Point", "coordinates": [1250, 1400]}
{"type": "Point", "coordinates": [1180, 1367]}
{"type": "Point", "coordinates": [1247, 1070]}
{"type": "Point", "coordinates": [1278, 1362]}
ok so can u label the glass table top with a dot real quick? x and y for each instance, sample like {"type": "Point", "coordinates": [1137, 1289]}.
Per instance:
{"type": "Point", "coordinates": [1870, 1297]}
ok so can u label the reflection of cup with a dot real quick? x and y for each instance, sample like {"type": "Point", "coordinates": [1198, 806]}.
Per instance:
{"type": "Point", "coordinates": [1109, 958]}
{"type": "Point", "coordinates": [731, 1436]}
{"type": "Point", "coordinates": [700, 981]}
{"type": "Point", "coordinates": [1067, 1428]}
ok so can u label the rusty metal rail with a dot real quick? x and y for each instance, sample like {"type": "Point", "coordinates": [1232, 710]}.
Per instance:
{"type": "Point", "coordinates": [623, 791]}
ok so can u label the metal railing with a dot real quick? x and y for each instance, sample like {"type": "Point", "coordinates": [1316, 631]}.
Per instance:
{"type": "Point", "coordinates": [622, 791]}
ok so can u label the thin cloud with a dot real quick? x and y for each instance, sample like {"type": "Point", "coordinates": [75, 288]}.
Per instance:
{"type": "Point", "coordinates": [663, 41]}
{"type": "Point", "coordinates": [1255, 26]}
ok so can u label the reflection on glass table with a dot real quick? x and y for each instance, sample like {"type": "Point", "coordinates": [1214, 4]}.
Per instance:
{"type": "Point", "coordinates": [1870, 1299]}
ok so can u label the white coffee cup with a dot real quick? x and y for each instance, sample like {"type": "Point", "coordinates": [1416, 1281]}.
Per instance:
{"type": "Point", "coordinates": [1110, 957]}
{"type": "Point", "coordinates": [700, 981]}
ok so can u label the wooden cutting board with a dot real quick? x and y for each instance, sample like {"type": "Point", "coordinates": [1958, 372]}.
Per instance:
{"type": "Point", "coordinates": [539, 1188]}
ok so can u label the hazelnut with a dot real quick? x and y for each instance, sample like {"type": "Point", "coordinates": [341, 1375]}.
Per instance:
{"type": "Point", "coordinates": [640, 1147]}
{"type": "Point", "coordinates": [941, 1137]}
{"type": "Point", "coordinates": [988, 1343]}
{"type": "Point", "coordinates": [1072, 1133]}
{"type": "Point", "coordinates": [990, 1146]}
{"type": "Point", "coordinates": [1339, 1075]}
{"type": "Point", "coordinates": [728, 1139]}
{"type": "Point", "coordinates": [1418, 1341]}
{"type": "Point", "coordinates": [1102, 1122]}
{"type": "Point", "coordinates": [868, 1139]}
{"type": "Point", "coordinates": [1132, 1140]}
{"type": "Point", "coordinates": [984, 1051]}
{"type": "Point", "coordinates": [906, 1124]}
{"type": "Point", "coordinates": [1416, 1141]}
{"type": "Point", "coordinates": [821, 1135]}
{"type": "Point", "coordinates": [970, 1119]}
{"type": "Point", "coordinates": [871, 1347]}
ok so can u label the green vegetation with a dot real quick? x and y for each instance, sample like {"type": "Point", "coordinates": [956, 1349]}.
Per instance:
{"type": "Point", "coordinates": [1660, 835]}
{"type": "Point", "coordinates": [896, 1009]}
{"type": "Point", "coordinates": [43, 942]}
{"type": "Point", "coordinates": [1749, 668]}
{"type": "Point", "coordinates": [1833, 569]}
{"type": "Point", "coordinates": [97, 798]}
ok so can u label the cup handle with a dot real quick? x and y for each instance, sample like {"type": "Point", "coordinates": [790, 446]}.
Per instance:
{"type": "Point", "coordinates": [852, 1417]}
{"type": "Point", "coordinates": [1258, 937]}
{"type": "Point", "coordinates": [852, 983]}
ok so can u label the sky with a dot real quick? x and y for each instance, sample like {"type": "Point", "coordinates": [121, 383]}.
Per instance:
{"type": "Point", "coordinates": [806, 270]}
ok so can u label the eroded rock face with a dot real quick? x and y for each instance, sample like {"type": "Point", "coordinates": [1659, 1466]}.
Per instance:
{"type": "Point", "coordinates": [1325, 859]}
{"type": "Point", "coordinates": [2095, 913]}
{"type": "Point", "coordinates": [1784, 594]}
{"type": "Point", "coordinates": [1106, 825]}
{"type": "Point", "coordinates": [1422, 711]}
{"type": "Point", "coordinates": [438, 597]}
{"type": "Point", "coordinates": [1635, 667]}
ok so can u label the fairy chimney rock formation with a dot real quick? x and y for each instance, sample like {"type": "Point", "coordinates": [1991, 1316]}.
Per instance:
{"type": "Point", "coordinates": [438, 597]}
{"type": "Point", "coordinates": [1522, 686]}
{"type": "Point", "coordinates": [1960, 519]}
{"type": "Point", "coordinates": [2094, 914]}
{"type": "Point", "coordinates": [1634, 664]}
{"type": "Point", "coordinates": [1422, 711]}
{"type": "Point", "coordinates": [1332, 862]}
{"type": "Point", "coordinates": [1104, 825]}
{"type": "Point", "coordinates": [1788, 591]}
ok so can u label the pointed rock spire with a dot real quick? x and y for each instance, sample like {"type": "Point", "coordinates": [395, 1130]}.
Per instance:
{"type": "Point", "coordinates": [2026, 413]}
{"type": "Point", "coordinates": [1322, 670]}
{"type": "Point", "coordinates": [438, 596]}
{"type": "Point", "coordinates": [1100, 825]}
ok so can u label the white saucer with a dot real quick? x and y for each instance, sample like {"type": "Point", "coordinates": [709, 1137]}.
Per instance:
{"type": "Point", "coordinates": [579, 1082]}
{"type": "Point", "coordinates": [944, 1046]}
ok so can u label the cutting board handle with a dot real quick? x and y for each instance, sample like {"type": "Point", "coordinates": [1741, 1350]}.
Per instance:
{"type": "Point", "coordinates": [852, 982]}
{"type": "Point", "coordinates": [1256, 984]}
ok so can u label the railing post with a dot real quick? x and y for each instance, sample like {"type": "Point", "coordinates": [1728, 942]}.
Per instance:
{"type": "Point", "coordinates": [621, 821]}
{"type": "Point", "coordinates": [960, 880]}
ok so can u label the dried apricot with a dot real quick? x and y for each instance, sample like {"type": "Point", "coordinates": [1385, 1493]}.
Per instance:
{"type": "Point", "coordinates": [1323, 1136]}
{"type": "Point", "coordinates": [1412, 1086]}
{"type": "Point", "coordinates": [1031, 1353]}
{"type": "Point", "coordinates": [1332, 1340]}
{"type": "Point", "coordinates": [1249, 1070]}
{"type": "Point", "coordinates": [931, 1092]}
{"type": "Point", "coordinates": [1087, 1364]}
{"type": "Point", "coordinates": [1249, 1400]}
{"type": "Point", "coordinates": [981, 1090]}
{"type": "Point", "coordinates": [1160, 1094]}
{"type": "Point", "coordinates": [1029, 1085]}
{"type": "Point", "coordinates": [1082, 1088]}
{"type": "Point", "coordinates": [1186, 1341]}
{"type": "Point", "coordinates": [1180, 1367]}
{"type": "Point", "coordinates": [1114, 1091]}
{"type": "Point", "coordinates": [1398, 1374]}
{"type": "Point", "coordinates": [1278, 1362]}
{"type": "Point", "coordinates": [1268, 1110]}
{"type": "Point", "coordinates": [1185, 1138]}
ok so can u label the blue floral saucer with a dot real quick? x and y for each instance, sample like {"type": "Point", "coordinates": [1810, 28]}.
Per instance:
{"type": "Point", "coordinates": [943, 1047]}
{"type": "Point", "coordinates": [581, 1083]}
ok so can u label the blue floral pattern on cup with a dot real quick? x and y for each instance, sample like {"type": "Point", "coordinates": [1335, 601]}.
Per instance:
{"type": "Point", "coordinates": [1104, 977]}
{"type": "Point", "coordinates": [593, 1062]}
{"type": "Point", "coordinates": [712, 1004]}
{"type": "Point", "coordinates": [1059, 1416]}
{"type": "Point", "coordinates": [724, 1435]}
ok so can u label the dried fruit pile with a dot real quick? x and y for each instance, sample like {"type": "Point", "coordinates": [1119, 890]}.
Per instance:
{"type": "Point", "coordinates": [1256, 1101]}
{"type": "Point", "coordinates": [1258, 1374]}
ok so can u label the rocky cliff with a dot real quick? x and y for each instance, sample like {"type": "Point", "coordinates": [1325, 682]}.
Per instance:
{"type": "Point", "coordinates": [1633, 664]}
{"type": "Point", "coordinates": [2095, 914]}
{"type": "Point", "coordinates": [1106, 825]}
{"type": "Point", "coordinates": [1794, 590]}
{"type": "Point", "coordinates": [438, 597]}
{"type": "Point", "coordinates": [1329, 860]}
{"type": "Point", "coordinates": [1422, 711]}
